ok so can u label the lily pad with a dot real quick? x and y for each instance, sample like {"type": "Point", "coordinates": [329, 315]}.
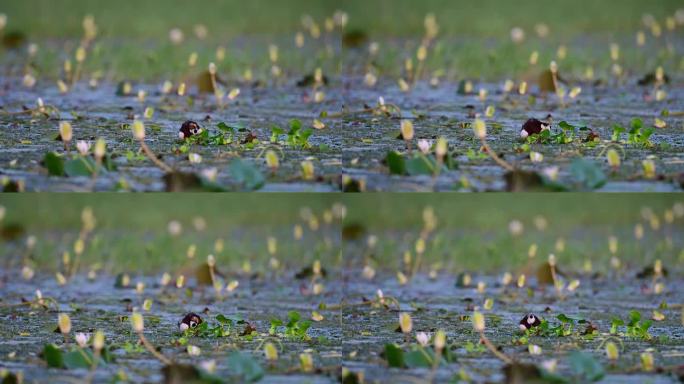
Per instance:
{"type": "Point", "coordinates": [245, 367]}
{"type": "Point", "coordinates": [246, 174]}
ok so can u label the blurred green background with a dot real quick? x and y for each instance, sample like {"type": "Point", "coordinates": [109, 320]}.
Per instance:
{"type": "Point", "coordinates": [474, 38]}
{"type": "Point", "coordinates": [154, 18]}
{"type": "Point", "coordinates": [132, 231]}
{"type": "Point", "coordinates": [473, 231]}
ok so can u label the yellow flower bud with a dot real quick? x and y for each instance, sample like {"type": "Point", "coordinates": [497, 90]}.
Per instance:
{"type": "Point", "coordinates": [407, 130]}
{"type": "Point", "coordinates": [480, 129]}
{"type": "Point", "coordinates": [65, 131]}
{"type": "Point", "coordinates": [647, 361]}
{"type": "Point", "coordinates": [308, 172]}
{"type": "Point", "coordinates": [613, 158]}
{"type": "Point", "coordinates": [137, 322]}
{"type": "Point", "coordinates": [405, 322]}
{"type": "Point", "coordinates": [270, 351]}
{"type": "Point", "coordinates": [440, 340]}
{"type": "Point", "coordinates": [64, 322]}
{"type": "Point", "coordinates": [139, 130]}
{"type": "Point", "coordinates": [478, 322]}
{"type": "Point", "coordinates": [98, 340]}
{"type": "Point", "coordinates": [80, 54]}
{"type": "Point", "coordinates": [306, 362]}
{"type": "Point", "coordinates": [612, 351]}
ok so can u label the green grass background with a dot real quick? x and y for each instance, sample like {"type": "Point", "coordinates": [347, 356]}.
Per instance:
{"type": "Point", "coordinates": [131, 232]}
{"type": "Point", "coordinates": [153, 18]}
{"type": "Point", "coordinates": [472, 233]}
{"type": "Point", "coordinates": [473, 41]}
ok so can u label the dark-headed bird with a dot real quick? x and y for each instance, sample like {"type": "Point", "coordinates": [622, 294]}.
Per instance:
{"type": "Point", "coordinates": [535, 127]}
{"type": "Point", "coordinates": [189, 129]}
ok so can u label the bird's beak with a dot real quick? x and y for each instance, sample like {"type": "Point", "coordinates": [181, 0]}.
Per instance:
{"type": "Point", "coordinates": [183, 326]}
{"type": "Point", "coordinates": [181, 135]}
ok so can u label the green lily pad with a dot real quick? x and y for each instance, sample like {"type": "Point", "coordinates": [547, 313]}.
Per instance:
{"type": "Point", "coordinates": [245, 367]}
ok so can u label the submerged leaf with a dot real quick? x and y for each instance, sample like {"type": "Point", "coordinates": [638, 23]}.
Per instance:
{"type": "Point", "coordinates": [586, 367]}
{"type": "Point", "coordinates": [246, 174]}
{"type": "Point", "coordinates": [587, 174]}
{"type": "Point", "coordinates": [244, 366]}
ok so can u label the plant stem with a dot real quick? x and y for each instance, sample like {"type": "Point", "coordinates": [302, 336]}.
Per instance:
{"type": "Point", "coordinates": [154, 158]}
{"type": "Point", "coordinates": [153, 351]}
{"type": "Point", "coordinates": [493, 349]}
{"type": "Point", "coordinates": [93, 367]}
{"type": "Point", "coordinates": [496, 157]}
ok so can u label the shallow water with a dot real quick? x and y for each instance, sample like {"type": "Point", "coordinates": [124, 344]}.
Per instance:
{"type": "Point", "coordinates": [25, 140]}
{"type": "Point", "coordinates": [439, 304]}
{"type": "Point", "coordinates": [440, 112]}
{"type": "Point", "coordinates": [25, 331]}
{"type": "Point", "coordinates": [355, 144]}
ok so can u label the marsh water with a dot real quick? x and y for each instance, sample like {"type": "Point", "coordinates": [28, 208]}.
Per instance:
{"type": "Point", "coordinates": [354, 143]}
{"type": "Point", "coordinates": [354, 335]}
{"type": "Point", "coordinates": [438, 303]}
{"type": "Point", "coordinates": [256, 301]}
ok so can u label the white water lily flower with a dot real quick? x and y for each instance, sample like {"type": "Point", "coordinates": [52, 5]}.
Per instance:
{"type": "Point", "coordinates": [194, 158]}
{"type": "Point", "coordinates": [534, 349]}
{"type": "Point", "coordinates": [83, 147]}
{"type": "Point", "coordinates": [550, 365]}
{"type": "Point", "coordinates": [424, 146]}
{"type": "Point", "coordinates": [536, 157]}
{"type": "Point", "coordinates": [210, 174]}
{"type": "Point", "coordinates": [194, 350]}
{"type": "Point", "coordinates": [422, 338]}
{"type": "Point", "coordinates": [209, 366]}
{"type": "Point", "coordinates": [81, 339]}
{"type": "Point", "coordinates": [551, 173]}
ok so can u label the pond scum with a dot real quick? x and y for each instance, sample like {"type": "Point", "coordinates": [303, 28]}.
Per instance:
{"type": "Point", "coordinates": [332, 109]}
{"type": "Point", "coordinates": [326, 299]}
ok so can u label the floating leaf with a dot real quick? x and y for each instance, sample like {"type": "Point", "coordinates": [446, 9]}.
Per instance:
{"type": "Point", "coordinates": [587, 174]}
{"type": "Point", "coordinates": [419, 359]}
{"type": "Point", "coordinates": [244, 366]}
{"type": "Point", "coordinates": [586, 367]}
{"type": "Point", "coordinates": [394, 356]}
{"type": "Point", "coordinates": [53, 356]}
{"type": "Point", "coordinates": [79, 359]}
{"type": "Point", "coordinates": [421, 165]}
{"type": "Point", "coordinates": [54, 164]}
{"type": "Point", "coordinates": [396, 163]}
{"type": "Point", "coordinates": [81, 166]}
{"type": "Point", "coordinates": [246, 174]}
